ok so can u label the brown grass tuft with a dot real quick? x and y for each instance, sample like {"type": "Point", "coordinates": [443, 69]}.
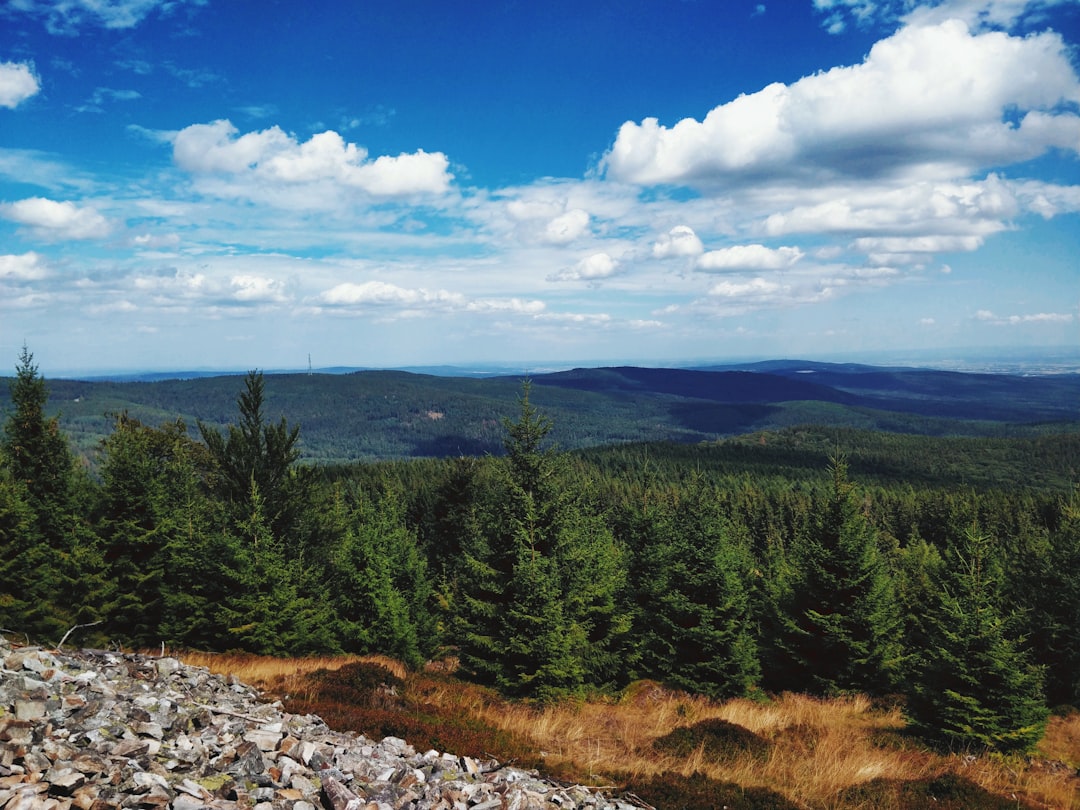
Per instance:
{"type": "Point", "coordinates": [826, 754]}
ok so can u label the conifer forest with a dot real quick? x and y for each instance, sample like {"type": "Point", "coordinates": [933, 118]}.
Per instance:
{"type": "Point", "coordinates": [807, 560]}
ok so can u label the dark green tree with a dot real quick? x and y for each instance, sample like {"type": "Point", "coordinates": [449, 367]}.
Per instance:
{"type": "Point", "coordinates": [269, 613]}
{"type": "Point", "coordinates": [1052, 608]}
{"type": "Point", "coordinates": [974, 687]}
{"type": "Point", "coordinates": [379, 580]}
{"type": "Point", "coordinates": [153, 511]}
{"type": "Point", "coordinates": [38, 453]}
{"type": "Point", "coordinates": [840, 626]}
{"type": "Point", "coordinates": [48, 559]}
{"type": "Point", "coordinates": [261, 456]}
{"type": "Point", "coordinates": [697, 626]}
{"type": "Point", "coordinates": [919, 571]}
{"type": "Point", "coordinates": [538, 581]}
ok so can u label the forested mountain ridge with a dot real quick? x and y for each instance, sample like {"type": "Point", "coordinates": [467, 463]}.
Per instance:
{"type": "Point", "coordinates": [725, 568]}
{"type": "Point", "coordinates": [395, 414]}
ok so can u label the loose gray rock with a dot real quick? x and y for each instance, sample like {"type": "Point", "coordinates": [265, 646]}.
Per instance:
{"type": "Point", "coordinates": [98, 730]}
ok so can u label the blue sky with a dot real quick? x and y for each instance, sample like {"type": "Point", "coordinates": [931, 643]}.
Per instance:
{"type": "Point", "coordinates": [212, 184]}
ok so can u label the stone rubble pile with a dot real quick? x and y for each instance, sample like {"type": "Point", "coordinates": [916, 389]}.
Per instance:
{"type": "Point", "coordinates": [96, 730]}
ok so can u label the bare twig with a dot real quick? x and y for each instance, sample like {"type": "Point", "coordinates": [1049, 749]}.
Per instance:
{"type": "Point", "coordinates": [60, 646]}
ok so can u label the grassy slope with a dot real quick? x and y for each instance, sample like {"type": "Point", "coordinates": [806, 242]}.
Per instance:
{"type": "Point", "coordinates": [840, 753]}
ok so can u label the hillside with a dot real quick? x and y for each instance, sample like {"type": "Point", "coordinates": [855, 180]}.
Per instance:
{"type": "Point", "coordinates": [394, 414]}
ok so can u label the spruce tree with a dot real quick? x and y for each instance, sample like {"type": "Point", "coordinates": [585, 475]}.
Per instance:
{"type": "Point", "coordinates": [974, 687]}
{"type": "Point", "coordinates": [264, 454]}
{"type": "Point", "coordinates": [44, 590]}
{"type": "Point", "coordinates": [840, 626]}
{"type": "Point", "coordinates": [537, 586]}
{"type": "Point", "coordinates": [696, 620]}
{"type": "Point", "coordinates": [380, 582]}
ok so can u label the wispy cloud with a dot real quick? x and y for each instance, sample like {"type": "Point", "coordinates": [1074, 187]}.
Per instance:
{"type": "Point", "coordinates": [68, 16]}
{"type": "Point", "coordinates": [987, 316]}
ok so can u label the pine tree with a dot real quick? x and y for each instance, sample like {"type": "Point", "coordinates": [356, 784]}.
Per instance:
{"type": "Point", "coordinates": [537, 583]}
{"type": "Point", "coordinates": [841, 625]}
{"type": "Point", "coordinates": [379, 578]}
{"type": "Point", "coordinates": [696, 619]}
{"type": "Point", "coordinates": [43, 591]}
{"type": "Point", "coordinates": [974, 687]}
{"type": "Point", "coordinates": [264, 454]}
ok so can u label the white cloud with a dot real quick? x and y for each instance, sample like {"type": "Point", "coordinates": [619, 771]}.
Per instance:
{"type": "Point", "coordinates": [928, 101]}
{"type": "Point", "coordinates": [757, 288]}
{"type": "Point", "coordinates": [50, 219]}
{"type": "Point", "coordinates": [591, 268]}
{"type": "Point", "coordinates": [519, 306]}
{"type": "Point", "coordinates": [1016, 320]}
{"type": "Point", "coordinates": [257, 289]}
{"type": "Point", "coordinates": [66, 16]}
{"type": "Point", "coordinates": [17, 83]}
{"type": "Point", "coordinates": [975, 208]}
{"type": "Point", "coordinates": [749, 257]}
{"type": "Point", "coordinates": [918, 244]}
{"type": "Point", "coordinates": [151, 240]}
{"type": "Point", "coordinates": [381, 293]}
{"type": "Point", "coordinates": [679, 241]}
{"type": "Point", "coordinates": [271, 158]}
{"type": "Point", "coordinates": [983, 13]}
{"type": "Point", "coordinates": [976, 13]}
{"type": "Point", "coordinates": [23, 267]}
{"type": "Point", "coordinates": [567, 227]}
{"type": "Point", "coordinates": [389, 297]}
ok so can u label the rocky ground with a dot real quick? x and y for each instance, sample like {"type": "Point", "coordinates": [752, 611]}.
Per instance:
{"type": "Point", "coordinates": [97, 730]}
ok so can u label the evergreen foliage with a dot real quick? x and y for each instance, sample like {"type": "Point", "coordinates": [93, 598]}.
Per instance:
{"type": "Point", "coordinates": [260, 457]}
{"type": "Point", "coordinates": [539, 579]}
{"type": "Point", "coordinates": [717, 568]}
{"type": "Point", "coordinates": [975, 688]}
{"type": "Point", "coordinates": [696, 624]}
{"type": "Point", "coordinates": [43, 541]}
{"type": "Point", "coordinates": [841, 624]}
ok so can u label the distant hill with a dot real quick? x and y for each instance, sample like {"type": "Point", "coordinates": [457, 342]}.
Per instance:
{"type": "Point", "coordinates": [397, 414]}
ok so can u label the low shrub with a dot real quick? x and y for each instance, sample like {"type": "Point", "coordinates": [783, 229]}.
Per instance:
{"type": "Point", "coordinates": [717, 738]}
{"type": "Point", "coordinates": [361, 683]}
{"type": "Point", "coordinates": [945, 792]}
{"type": "Point", "coordinates": [698, 792]}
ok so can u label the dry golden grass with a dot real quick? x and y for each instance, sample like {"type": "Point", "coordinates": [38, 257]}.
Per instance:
{"type": "Point", "coordinates": [281, 676]}
{"type": "Point", "coordinates": [819, 747]}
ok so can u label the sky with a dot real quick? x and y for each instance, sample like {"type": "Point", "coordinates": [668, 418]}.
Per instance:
{"type": "Point", "coordinates": [231, 184]}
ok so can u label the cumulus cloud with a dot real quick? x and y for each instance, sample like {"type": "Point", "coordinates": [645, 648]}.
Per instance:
{"type": "Point", "coordinates": [273, 158]}
{"type": "Point", "coordinates": [679, 241]}
{"type": "Point", "coordinates": [17, 83]}
{"type": "Point", "coordinates": [914, 249]}
{"type": "Point", "coordinates": [542, 216]}
{"type": "Point", "coordinates": [931, 100]}
{"type": "Point", "coordinates": [67, 16]}
{"type": "Point", "coordinates": [749, 257]}
{"type": "Point", "coordinates": [249, 288]}
{"type": "Point", "coordinates": [567, 227]}
{"type": "Point", "coordinates": [976, 208]}
{"type": "Point", "coordinates": [152, 240]}
{"type": "Point", "coordinates": [54, 220]}
{"type": "Point", "coordinates": [749, 293]}
{"type": "Point", "coordinates": [22, 267]}
{"type": "Point", "coordinates": [591, 268]}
